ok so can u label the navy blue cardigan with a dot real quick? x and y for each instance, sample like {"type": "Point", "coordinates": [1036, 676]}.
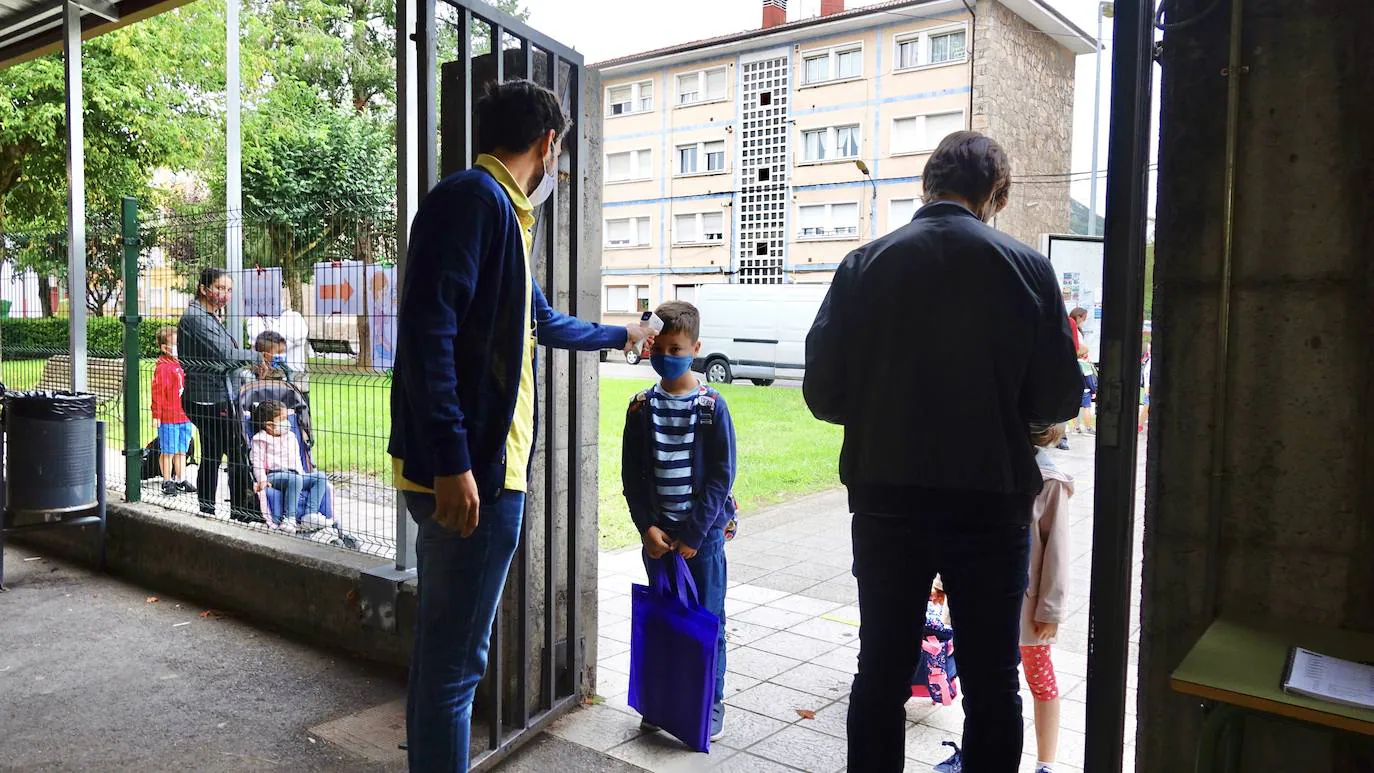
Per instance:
{"type": "Point", "coordinates": [713, 469]}
{"type": "Point", "coordinates": [460, 334]}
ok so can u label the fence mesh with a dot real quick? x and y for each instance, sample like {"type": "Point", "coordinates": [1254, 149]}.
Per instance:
{"type": "Point", "coordinates": [310, 322]}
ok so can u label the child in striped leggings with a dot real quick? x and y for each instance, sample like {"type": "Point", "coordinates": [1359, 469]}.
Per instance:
{"type": "Point", "coordinates": [1046, 593]}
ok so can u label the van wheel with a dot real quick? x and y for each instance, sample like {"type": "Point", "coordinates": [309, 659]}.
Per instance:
{"type": "Point", "coordinates": [718, 371]}
{"type": "Point", "coordinates": [762, 381]}
{"type": "Point", "coordinates": [632, 358]}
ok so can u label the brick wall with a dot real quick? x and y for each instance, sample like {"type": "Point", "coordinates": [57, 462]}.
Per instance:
{"type": "Point", "coordinates": [1023, 98]}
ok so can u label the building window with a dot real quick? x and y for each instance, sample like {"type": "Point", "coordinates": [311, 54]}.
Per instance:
{"type": "Point", "coordinates": [929, 48]}
{"type": "Point", "coordinates": [689, 157]}
{"type": "Point", "coordinates": [921, 133]}
{"type": "Point", "coordinates": [828, 221]}
{"type": "Point", "coordinates": [700, 228]}
{"type": "Point", "coordinates": [618, 298]}
{"type": "Point", "coordinates": [627, 232]}
{"type": "Point", "coordinates": [630, 98]}
{"type": "Point", "coordinates": [900, 212]}
{"type": "Point", "coordinates": [830, 144]}
{"type": "Point", "coordinates": [630, 165]}
{"type": "Point", "coordinates": [835, 64]}
{"type": "Point", "coordinates": [642, 298]}
{"type": "Point", "coordinates": [702, 86]}
{"type": "Point", "coordinates": [686, 293]}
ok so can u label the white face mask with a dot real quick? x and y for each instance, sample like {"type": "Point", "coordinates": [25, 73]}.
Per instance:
{"type": "Point", "coordinates": [283, 426]}
{"type": "Point", "coordinates": [172, 351]}
{"type": "Point", "coordinates": [544, 189]}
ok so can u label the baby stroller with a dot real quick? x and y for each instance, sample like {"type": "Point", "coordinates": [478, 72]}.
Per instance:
{"type": "Point", "coordinates": [250, 391]}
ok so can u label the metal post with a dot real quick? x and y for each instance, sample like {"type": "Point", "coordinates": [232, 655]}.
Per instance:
{"type": "Point", "coordinates": [1128, 152]}
{"type": "Point", "coordinates": [426, 124]}
{"type": "Point", "coordinates": [76, 195]}
{"type": "Point", "coordinates": [577, 151]}
{"type": "Point", "coordinates": [133, 444]}
{"type": "Point", "coordinates": [233, 168]}
{"type": "Point", "coordinates": [1102, 11]}
{"type": "Point", "coordinates": [405, 211]}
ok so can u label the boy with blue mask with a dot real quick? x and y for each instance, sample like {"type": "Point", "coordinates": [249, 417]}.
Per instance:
{"type": "Point", "coordinates": [678, 468]}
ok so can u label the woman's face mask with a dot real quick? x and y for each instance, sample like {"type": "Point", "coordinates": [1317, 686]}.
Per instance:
{"type": "Point", "coordinates": [281, 426]}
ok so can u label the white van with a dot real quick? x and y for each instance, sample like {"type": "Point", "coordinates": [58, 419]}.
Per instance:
{"type": "Point", "coordinates": [756, 332]}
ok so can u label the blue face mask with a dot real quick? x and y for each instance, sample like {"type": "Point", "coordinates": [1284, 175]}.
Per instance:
{"type": "Point", "coordinates": [669, 367]}
{"type": "Point", "coordinates": [279, 362]}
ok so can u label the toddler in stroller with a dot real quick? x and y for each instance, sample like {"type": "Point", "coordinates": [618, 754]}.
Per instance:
{"type": "Point", "coordinates": [277, 429]}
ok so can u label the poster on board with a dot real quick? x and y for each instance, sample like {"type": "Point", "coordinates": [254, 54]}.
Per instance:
{"type": "Point", "coordinates": [381, 314]}
{"type": "Point", "coordinates": [260, 289]}
{"type": "Point", "coordinates": [1077, 262]}
{"type": "Point", "coordinates": [338, 288]}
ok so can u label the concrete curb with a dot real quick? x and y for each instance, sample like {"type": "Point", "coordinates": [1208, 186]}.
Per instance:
{"type": "Point", "coordinates": [298, 587]}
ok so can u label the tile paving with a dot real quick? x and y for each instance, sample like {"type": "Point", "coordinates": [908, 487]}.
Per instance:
{"type": "Point", "coordinates": [792, 629]}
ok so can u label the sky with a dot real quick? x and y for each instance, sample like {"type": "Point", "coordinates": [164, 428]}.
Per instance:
{"type": "Point", "coordinates": [605, 29]}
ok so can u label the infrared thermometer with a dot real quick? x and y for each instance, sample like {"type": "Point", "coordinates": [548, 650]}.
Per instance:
{"type": "Point", "coordinates": [654, 323]}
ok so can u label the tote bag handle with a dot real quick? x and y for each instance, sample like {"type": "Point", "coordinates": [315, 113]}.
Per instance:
{"type": "Point", "coordinates": [682, 584]}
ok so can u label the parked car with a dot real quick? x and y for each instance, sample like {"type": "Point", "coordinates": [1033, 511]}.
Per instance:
{"type": "Point", "coordinates": [757, 332]}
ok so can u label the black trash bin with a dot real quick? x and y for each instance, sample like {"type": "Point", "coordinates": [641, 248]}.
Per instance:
{"type": "Point", "coordinates": [50, 460]}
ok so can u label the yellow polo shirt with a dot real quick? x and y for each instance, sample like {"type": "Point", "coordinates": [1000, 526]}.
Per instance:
{"type": "Point", "coordinates": [520, 441]}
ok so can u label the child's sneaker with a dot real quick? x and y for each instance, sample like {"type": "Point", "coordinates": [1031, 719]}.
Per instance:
{"type": "Point", "coordinates": [955, 763]}
{"type": "Point", "coordinates": [648, 726]}
{"type": "Point", "coordinates": [288, 526]}
{"type": "Point", "coordinates": [717, 721]}
{"type": "Point", "coordinates": [169, 489]}
{"type": "Point", "coordinates": [1044, 769]}
{"type": "Point", "coordinates": [186, 486]}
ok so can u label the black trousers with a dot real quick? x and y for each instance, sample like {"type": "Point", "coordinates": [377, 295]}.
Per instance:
{"type": "Point", "coordinates": [982, 558]}
{"type": "Point", "coordinates": [221, 438]}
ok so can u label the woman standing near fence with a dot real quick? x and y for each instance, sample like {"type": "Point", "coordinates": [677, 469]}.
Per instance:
{"type": "Point", "coordinates": [208, 350]}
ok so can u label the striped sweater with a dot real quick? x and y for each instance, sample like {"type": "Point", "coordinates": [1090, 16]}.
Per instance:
{"type": "Point", "coordinates": [674, 420]}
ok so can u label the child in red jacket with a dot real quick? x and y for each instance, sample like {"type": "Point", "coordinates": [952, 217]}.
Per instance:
{"type": "Point", "coordinates": [173, 427]}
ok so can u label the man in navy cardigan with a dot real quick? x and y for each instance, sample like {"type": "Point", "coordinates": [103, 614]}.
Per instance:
{"type": "Point", "coordinates": [463, 400]}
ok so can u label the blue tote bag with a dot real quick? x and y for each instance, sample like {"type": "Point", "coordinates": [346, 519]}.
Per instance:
{"type": "Point", "coordinates": [673, 653]}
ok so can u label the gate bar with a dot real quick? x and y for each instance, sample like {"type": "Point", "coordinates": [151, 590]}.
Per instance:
{"type": "Point", "coordinates": [550, 659]}
{"type": "Point", "coordinates": [576, 152]}
{"type": "Point", "coordinates": [495, 16]}
{"type": "Point", "coordinates": [133, 444]}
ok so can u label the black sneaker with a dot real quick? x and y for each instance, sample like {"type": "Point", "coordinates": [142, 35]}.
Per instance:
{"type": "Point", "coordinates": [169, 489]}
{"type": "Point", "coordinates": [186, 486]}
{"type": "Point", "coordinates": [1063, 444]}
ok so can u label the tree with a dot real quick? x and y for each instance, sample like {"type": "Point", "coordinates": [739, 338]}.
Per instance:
{"type": "Point", "coordinates": [312, 173]}
{"type": "Point", "coordinates": [146, 105]}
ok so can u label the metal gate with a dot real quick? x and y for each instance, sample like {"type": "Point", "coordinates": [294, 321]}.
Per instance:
{"type": "Point", "coordinates": [535, 672]}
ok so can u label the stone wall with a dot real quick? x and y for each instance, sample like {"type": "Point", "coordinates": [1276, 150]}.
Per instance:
{"type": "Point", "coordinates": [1297, 522]}
{"type": "Point", "coordinates": [1023, 97]}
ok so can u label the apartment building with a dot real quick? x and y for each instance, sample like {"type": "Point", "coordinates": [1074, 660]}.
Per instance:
{"type": "Point", "coordinates": [767, 155]}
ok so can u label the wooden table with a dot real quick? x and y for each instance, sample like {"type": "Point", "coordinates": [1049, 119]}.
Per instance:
{"type": "Point", "coordinates": [1239, 666]}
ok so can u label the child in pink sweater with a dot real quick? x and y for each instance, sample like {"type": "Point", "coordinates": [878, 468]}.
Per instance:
{"type": "Point", "coordinates": [1043, 609]}
{"type": "Point", "coordinates": [276, 459]}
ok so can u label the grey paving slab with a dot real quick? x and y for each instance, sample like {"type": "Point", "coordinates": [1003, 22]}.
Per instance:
{"type": "Point", "coordinates": [817, 680]}
{"type": "Point", "coordinates": [749, 763]}
{"type": "Point", "coordinates": [826, 629]}
{"type": "Point", "coordinates": [803, 748]}
{"type": "Point", "coordinates": [770, 616]}
{"type": "Point", "coordinates": [758, 663]}
{"type": "Point", "coordinates": [596, 727]}
{"type": "Point", "coordinates": [744, 728]}
{"type": "Point", "coordinates": [785, 581]}
{"type": "Point", "coordinates": [776, 701]}
{"type": "Point", "coordinates": [808, 605]}
{"type": "Point", "coordinates": [793, 645]}
{"type": "Point", "coordinates": [754, 594]}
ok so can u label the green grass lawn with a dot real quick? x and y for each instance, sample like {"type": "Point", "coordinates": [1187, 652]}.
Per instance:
{"type": "Point", "coordinates": [783, 452]}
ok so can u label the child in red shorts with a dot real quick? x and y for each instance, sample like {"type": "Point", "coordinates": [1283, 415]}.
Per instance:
{"type": "Point", "coordinates": [1043, 609]}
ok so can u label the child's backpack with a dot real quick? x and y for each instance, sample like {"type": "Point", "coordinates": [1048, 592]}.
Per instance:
{"type": "Point", "coordinates": [149, 466]}
{"type": "Point", "coordinates": [705, 406]}
{"type": "Point", "coordinates": [936, 672]}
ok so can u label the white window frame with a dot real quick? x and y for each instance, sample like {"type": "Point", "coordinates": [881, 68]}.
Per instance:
{"type": "Point", "coordinates": [634, 232]}
{"type": "Point", "coordinates": [700, 218]}
{"type": "Point", "coordinates": [832, 137]}
{"type": "Point", "coordinates": [922, 38]}
{"type": "Point", "coordinates": [927, 144]}
{"type": "Point", "coordinates": [636, 173]}
{"type": "Point", "coordinates": [635, 98]}
{"type": "Point", "coordinates": [629, 297]}
{"type": "Point", "coordinates": [705, 98]}
{"type": "Point", "coordinates": [702, 162]}
{"type": "Point", "coordinates": [833, 52]}
{"type": "Point", "coordinates": [830, 235]}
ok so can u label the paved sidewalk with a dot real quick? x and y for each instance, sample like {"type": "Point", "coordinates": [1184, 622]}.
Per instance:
{"type": "Point", "coordinates": [792, 626]}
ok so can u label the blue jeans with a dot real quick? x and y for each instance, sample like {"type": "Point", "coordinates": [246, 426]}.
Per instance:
{"type": "Point", "coordinates": [982, 558]}
{"type": "Point", "coordinates": [460, 584]}
{"type": "Point", "coordinates": [291, 484]}
{"type": "Point", "coordinates": [709, 574]}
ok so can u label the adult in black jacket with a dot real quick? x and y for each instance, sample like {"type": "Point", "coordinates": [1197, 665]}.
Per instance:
{"type": "Point", "coordinates": [935, 348]}
{"type": "Point", "coordinates": [207, 350]}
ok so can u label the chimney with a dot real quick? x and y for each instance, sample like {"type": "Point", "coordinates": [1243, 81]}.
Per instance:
{"type": "Point", "coordinates": [831, 7]}
{"type": "Point", "coordinates": [775, 12]}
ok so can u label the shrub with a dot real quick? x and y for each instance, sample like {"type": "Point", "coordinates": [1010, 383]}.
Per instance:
{"type": "Point", "coordinates": [23, 339]}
